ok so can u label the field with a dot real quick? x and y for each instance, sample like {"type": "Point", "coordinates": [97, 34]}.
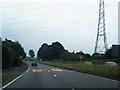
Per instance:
{"type": "Point", "coordinates": [98, 68]}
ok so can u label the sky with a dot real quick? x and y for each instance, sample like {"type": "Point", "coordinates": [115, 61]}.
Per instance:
{"type": "Point", "coordinates": [73, 23]}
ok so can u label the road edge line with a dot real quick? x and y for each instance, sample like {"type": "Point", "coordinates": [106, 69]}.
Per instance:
{"type": "Point", "coordinates": [15, 78]}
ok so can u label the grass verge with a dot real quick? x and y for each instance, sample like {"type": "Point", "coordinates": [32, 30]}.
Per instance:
{"type": "Point", "coordinates": [6, 77]}
{"type": "Point", "coordinates": [12, 72]}
{"type": "Point", "coordinates": [111, 72]}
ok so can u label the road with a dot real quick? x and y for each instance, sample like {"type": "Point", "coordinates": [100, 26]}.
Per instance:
{"type": "Point", "coordinates": [44, 76]}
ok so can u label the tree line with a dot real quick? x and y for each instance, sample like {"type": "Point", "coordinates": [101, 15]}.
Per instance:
{"type": "Point", "coordinates": [57, 52]}
{"type": "Point", "coordinates": [12, 53]}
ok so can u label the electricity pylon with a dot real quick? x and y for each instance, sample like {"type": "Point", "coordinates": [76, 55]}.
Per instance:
{"type": "Point", "coordinates": [101, 40]}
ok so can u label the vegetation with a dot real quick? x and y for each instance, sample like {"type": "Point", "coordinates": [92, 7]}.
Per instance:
{"type": "Point", "coordinates": [12, 54]}
{"type": "Point", "coordinates": [57, 52]}
{"type": "Point", "coordinates": [109, 53]}
{"type": "Point", "coordinates": [12, 72]}
{"type": "Point", "coordinates": [49, 52]}
{"type": "Point", "coordinates": [31, 53]}
{"type": "Point", "coordinates": [7, 77]}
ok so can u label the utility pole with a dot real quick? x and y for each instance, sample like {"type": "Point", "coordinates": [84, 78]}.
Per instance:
{"type": "Point", "coordinates": [101, 40]}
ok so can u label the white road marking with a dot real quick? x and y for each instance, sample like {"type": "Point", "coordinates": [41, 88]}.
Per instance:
{"type": "Point", "coordinates": [55, 75]}
{"type": "Point", "coordinates": [14, 79]}
{"type": "Point", "coordinates": [73, 89]}
{"type": "Point", "coordinates": [11, 82]}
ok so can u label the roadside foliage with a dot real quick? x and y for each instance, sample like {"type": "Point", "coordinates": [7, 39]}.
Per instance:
{"type": "Point", "coordinates": [12, 54]}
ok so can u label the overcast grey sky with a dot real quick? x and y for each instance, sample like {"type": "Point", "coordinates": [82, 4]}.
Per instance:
{"type": "Point", "coordinates": [71, 22]}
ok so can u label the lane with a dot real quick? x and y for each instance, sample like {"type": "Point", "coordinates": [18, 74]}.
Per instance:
{"type": "Point", "coordinates": [43, 79]}
{"type": "Point", "coordinates": [60, 79]}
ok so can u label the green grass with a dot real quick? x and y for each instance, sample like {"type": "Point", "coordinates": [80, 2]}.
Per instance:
{"type": "Point", "coordinates": [10, 68]}
{"type": "Point", "coordinates": [13, 68]}
{"type": "Point", "coordinates": [95, 69]}
{"type": "Point", "coordinates": [7, 77]}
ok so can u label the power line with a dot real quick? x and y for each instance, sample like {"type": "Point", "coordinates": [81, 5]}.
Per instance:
{"type": "Point", "coordinates": [48, 28]}
{"type": "Point", "coordinates": [43, 14]}
{"type": "Point", "coordinates": [47, 13]}
{"type": "Point", "coordinates": [49, 18]}
{"type": "Point", "coordinates": [51, 26]}
{"type": "Point", "coordinates": [50, 5]}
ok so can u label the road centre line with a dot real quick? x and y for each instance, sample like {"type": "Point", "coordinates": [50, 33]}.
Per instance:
{"type": "Point", "coordinates": [55, 75]}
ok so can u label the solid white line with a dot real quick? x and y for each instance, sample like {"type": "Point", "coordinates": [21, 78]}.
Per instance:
{"type": "Point", "coordinates": [11, 82]}
{"type": "Point", "coordinates": [14, 79]}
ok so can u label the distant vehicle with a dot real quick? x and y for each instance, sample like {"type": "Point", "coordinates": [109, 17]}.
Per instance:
{"type": "Point", "coordinates": [111, 63]}
{"type": "Point", "coordinates": [90, 63]}
{"type": "Point", "coordinates": [34, 64]}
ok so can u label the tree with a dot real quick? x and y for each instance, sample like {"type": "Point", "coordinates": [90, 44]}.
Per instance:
{"type": "Point", "coordinates": [7, 56]}
{"type": "Point", "coordinates": [42, 51]}
{"type": "Point", "coordinates": [50, 52]}
{"type": "Point", "coordinates": [31, 53]}
{"type": "Point", "coordinates": [55, 52]}
{"type": "Point", "coordinates": [81, 53]}
{"type": "Point", "coordinates": [11, 53]}
{"type": "Point", "coordinates": [108, 53]}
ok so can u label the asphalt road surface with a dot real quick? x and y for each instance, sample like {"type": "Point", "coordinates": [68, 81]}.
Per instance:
{"type": "Point", "coordinates": [44, 76]}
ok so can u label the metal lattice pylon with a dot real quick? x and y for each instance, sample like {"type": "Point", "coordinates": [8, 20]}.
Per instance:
{"type": "Point", "coordinates": [101, 40]}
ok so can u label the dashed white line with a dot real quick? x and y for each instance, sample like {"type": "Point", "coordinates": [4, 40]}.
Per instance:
{"type": "Point", "coordinates": [55, 75]}
{"type": "Point", "coordinates": [73, 89]}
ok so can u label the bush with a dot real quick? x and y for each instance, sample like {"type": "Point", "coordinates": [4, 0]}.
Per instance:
{"type": "Point", "coordinates": [7, 57]}
{"type": "Point", "coordinates": [12, 53]}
